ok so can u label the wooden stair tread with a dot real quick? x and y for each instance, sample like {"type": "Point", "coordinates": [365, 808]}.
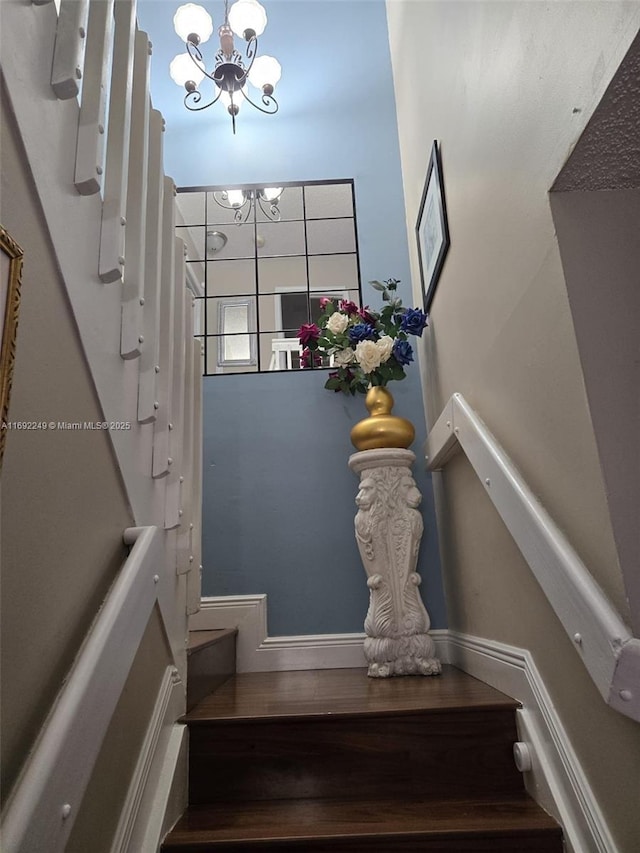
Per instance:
{"type": "Point", "coordinates": [286, 821]}
{"type": "Point", "coordinates": [201, 639]}
{"type": "Point", "coordinates": [342, 692]}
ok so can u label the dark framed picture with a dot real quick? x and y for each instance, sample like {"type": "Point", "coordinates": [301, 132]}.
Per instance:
{"type": "Point", "coordinates": [10, 280]}
{"type": "Point", "coordinates": [432, 230]}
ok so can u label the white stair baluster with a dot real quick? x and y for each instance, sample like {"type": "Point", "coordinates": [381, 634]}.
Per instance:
{"type": "Point", "coordinates": [91, 124]}
{"type": "Point", "coordinates": [68, 55]}
{"type": "Point", "coordinates": [165, 354]}
{"type": "Point", "coordinates": [112, 236]}
{"type": "Point", "coordinates": [148, 376]}
{"type": "Point", "coordinates": [132, 337]}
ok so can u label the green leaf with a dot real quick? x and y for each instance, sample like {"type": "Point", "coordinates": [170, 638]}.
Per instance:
{"type": "Point", "coordinates": [377, 285]}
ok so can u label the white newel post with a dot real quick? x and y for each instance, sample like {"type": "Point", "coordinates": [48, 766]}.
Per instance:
{"type": "Point", "coordinates": [389, 528]}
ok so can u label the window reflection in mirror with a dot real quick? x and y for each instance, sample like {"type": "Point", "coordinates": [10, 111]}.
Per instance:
{"type": "Point", "coordinates": [259, 259]}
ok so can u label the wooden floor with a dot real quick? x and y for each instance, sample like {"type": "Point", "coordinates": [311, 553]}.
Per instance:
{"type": "Point", "coordinates": [344, 692]}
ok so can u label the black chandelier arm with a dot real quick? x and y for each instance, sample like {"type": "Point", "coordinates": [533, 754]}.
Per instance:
{"type": "Point", "coordinates": [251, 51]}
{"type": "Point", "coordinates": [270, 103]}
{"type": "Point", "coordinates": [238, 216]}
{"type": "Point", "coordinates": [272, 212]}
{"type": "Point", "coordinates": [192, 100]}
{"type": "Point", "coordinates": [196, 56]}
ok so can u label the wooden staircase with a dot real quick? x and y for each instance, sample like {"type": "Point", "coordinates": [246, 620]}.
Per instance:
{"type": "Point", "coordinates": [331, 760]}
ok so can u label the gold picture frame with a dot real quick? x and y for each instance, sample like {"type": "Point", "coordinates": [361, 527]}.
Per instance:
{"type": "Point", "coordinates": [11, 257]}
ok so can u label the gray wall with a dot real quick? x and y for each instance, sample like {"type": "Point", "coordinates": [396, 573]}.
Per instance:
{"type": "Point", "coordinates": [507, 88]}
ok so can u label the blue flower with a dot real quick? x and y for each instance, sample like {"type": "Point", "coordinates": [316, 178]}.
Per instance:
{"type": "Point", "coordinates": [413, 321]}
{"type": "Point", "coordinates": [361, 332]}
{"type": "Point", "coordinates": [402, 351]}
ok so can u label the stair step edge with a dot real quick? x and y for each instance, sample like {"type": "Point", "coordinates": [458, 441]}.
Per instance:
{"type": "Point", "coordinates": [203, 639]}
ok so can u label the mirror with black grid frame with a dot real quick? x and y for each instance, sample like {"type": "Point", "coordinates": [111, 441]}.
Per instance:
{"type": "Point", "coordinates": [259, 259]}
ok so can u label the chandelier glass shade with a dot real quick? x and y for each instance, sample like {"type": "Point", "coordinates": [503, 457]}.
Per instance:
{"type": "Point", "coordinates": [231, 71]}
{"type": "Point", "coordinates": [243, 201]}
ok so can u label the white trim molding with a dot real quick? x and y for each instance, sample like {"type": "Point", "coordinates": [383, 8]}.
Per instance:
{"type": "Point", "coordinates": [606, 645]}
{"type": "Point", "coordinates": [556, 779]}
{"type": "Point", "coordinates": [142, 819]}
{"type": "Point", "coordinates": [257, 652]}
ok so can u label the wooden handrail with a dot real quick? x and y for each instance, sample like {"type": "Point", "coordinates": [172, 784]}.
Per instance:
{"type": "Point", "coordinates": [46, 799]}
{"type": "Point", "coordinates": [605, 643]}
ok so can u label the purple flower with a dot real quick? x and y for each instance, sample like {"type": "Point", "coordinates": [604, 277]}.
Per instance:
{"type": "Point", "coordinates": [365, 315]}
{"type": "Point", "coordinates": [324, 301]}
{"type": "Point", "coordinates": [305, 358]}
{"type": "Point", "coordinates": [308, 333]}
{"type": "Point", "coordinates": [347, 306]}
{"type": "Point", "coordinates": [361, 332]}
{"type": "Point", "coordinates": [402, 351]}
{"type": "Point", "coordinates": [413, 321]}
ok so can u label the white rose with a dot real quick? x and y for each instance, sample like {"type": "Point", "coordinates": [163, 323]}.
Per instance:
{"type": "Point", "coordinates": [337, 323]}
{"type": "Point", "coordinates": [368, 355]}
{"type": "Point", "coordinates": [385, 345]}
{"type": "Point", "coordinates": [344, 357]}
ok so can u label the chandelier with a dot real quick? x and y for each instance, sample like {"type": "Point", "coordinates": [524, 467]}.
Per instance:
{"type": "Point", "coordinates": [243, 201]}
{"type": "Point", "coordinates": [231, 71]}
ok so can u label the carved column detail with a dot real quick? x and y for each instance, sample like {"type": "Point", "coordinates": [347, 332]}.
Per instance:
{"type": "Point", "coordinates": [389, 529]}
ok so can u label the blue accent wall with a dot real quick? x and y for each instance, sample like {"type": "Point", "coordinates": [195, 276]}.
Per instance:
{"type": "Point", "coordinates": [278, 494]}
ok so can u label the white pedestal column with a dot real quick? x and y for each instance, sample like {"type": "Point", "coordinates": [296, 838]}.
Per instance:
{"type": "Point", "coordinates": [388, 531]}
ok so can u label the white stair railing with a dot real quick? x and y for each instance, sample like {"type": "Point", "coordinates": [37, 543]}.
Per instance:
{"type": "Point", "coordinates": [606, 645]}
{"type": "Point", "coordinates": [46, 799]}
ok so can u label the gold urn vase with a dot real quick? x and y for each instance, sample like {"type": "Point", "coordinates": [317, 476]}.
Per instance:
{"type": "Point", "coordinates": [381, 428]}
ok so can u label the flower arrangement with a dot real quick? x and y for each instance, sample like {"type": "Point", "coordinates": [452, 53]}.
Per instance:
{"type": "Point", "coordinates": [367, 347]}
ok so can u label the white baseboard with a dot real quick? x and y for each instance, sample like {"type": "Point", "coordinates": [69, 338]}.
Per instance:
{"type": "Point", "coordinates": [257, 652]}
{"type": "Point", "coordinates": [146, 807]}
{"type": "Point", "coordinates": [556, 780]}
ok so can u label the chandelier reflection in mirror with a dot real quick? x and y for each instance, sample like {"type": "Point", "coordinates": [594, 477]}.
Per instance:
{"type": "Point", "coordinates": [242, 201]}
{"type": "Point", "coordinates": [231, 71]}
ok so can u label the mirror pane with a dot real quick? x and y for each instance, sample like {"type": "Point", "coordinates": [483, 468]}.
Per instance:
{"type": "Point", "coordinates": [231, 315]}
{"type": "Point", "coordinates": [282, 274]}
{"type": "Point", "coordinates": [281, 238]}
{"type": "Point", "coordinates": [231, 278]}
{"type": "Point", "coordinates": [335, 272]}
{"type": "Point", "coordinates": [289, 205]}
{"type": "Point", "coordinates": [193, 237]}
{"type": "Point", "coordinates": [279, 352]}
{"type": "Point", "coordinates": [324, 201]}
{"type": "Point", "coordinates": [219, 214]}
{"type": "Point", "coordinates": [330, 236]}
{"type": "Point", "coordinates": [222, 352]}
{"type": "Point", "coordinates": [190, 208]}
{"type": "Point", "coordinates": [237, 241]}
{"type": "Point", "coordinates": [283, 312]}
